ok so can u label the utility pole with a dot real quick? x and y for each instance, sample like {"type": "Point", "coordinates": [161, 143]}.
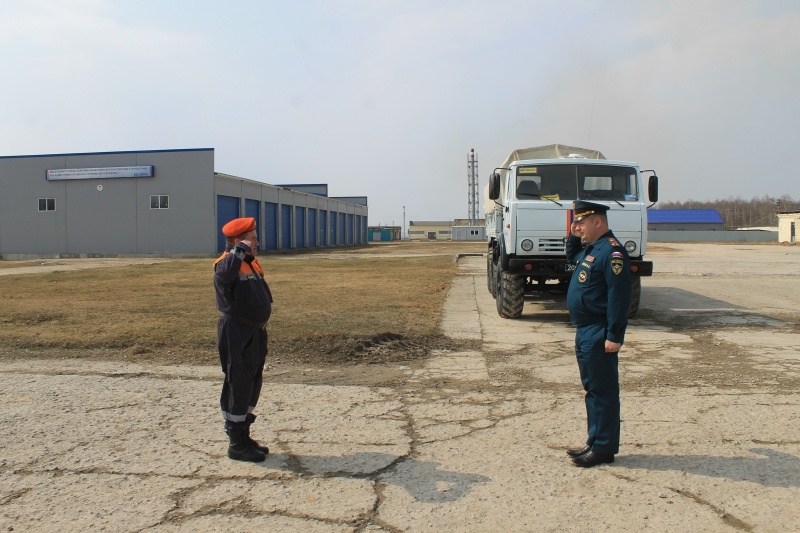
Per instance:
{"type": "Point", "coordinates": [403, 230]}
{"type": "Point", "coordinates": [472, 187]}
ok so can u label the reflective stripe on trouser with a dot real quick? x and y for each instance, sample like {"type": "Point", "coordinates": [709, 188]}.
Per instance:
{"type": "Point", "coordinates": [600, 378]}
{"type": "Point", "coordinates": [242, 353]}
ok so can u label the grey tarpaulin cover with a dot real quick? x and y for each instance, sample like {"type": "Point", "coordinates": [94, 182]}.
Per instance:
{"type": "Point", "coordinates": [550, 151]}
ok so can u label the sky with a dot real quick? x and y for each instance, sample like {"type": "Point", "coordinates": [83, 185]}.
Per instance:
{"type": "Point", "coordinates": [385, 98]}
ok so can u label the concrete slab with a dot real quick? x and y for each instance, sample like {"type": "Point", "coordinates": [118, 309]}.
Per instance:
{"type": "Point", "coordinates": [467, 441]}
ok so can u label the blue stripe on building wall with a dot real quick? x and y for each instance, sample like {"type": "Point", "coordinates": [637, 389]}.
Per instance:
{"type": "Point", "coordinates": [300, 226]}
{"type": "Point", "coordinates": [363, 229]}
{"type": "Point", "coordinates": [323, 228]}
{"type": "Point", "coordinates": [333, 229]}
{"type": "Point", "coordinates": [286, 227]}
{"type": "Point", "coordinates": [350, 232]}
{"type": "Point", "coordinates": [342, 227]}
{"type": "Point", "coordinates": [270, 226]}
{"type": "Point", "coordinates": [252, 208]}
{"type": "Point", "coordinates": [227, 210]}
{"type": "Point", "coordinates": [312, 228]}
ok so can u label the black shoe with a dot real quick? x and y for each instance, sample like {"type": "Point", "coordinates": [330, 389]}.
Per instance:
{"type": "Point", "coordinates": [257, 446]}
{"type": "Point", "coordinates": [577, 452]}
{"type": "Point", "coordinates": [240, 449]}
{"type": "Point", "coordinates": [247, 453]}
{"type": "Point", "coordinates": [590, 459]}
{"type": "Point", "coordinates": [249, 420]}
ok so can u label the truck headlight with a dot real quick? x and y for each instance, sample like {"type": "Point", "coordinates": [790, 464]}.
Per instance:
{"type": "Point", "coordinates": [630, 246]}
{"type": "Point", "coordinates": [527, 245]}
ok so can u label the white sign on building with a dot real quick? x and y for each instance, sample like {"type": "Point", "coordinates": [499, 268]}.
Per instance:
{"type": "Point", "coordinates": [146, 171]}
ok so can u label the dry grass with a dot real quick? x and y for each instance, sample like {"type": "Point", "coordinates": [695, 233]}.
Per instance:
{"type": "Point", "coordinates": [17, 264]}
{"type": "Point", "coordinates": [333, 305]}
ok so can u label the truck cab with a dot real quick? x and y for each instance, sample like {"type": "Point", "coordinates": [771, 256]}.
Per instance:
{"type": "Point", "coordinates": [528, 216]}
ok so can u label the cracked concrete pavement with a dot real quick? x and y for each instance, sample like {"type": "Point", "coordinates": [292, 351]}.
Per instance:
{"type": "Point", "coordinates": [470, 441]}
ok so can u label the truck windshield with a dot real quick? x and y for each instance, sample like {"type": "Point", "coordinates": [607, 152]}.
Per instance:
{"type": "Point", "coordinates": [572, 182]}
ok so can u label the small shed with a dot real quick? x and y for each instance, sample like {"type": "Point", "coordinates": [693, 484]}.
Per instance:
{"type": "Point", "coordinates": [684, 220]}
{"type": "Point", "coordinates": [469, 233]}
{"type": "Point", "coordinates": [429, 230]}
{"type": "Point", "coordinates": [788, 225]}
{"type": "Point", "coordinates": [383, 233]}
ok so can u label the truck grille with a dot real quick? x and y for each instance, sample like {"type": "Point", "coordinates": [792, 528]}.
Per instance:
{"type": "Point", "coordinates": [551, 246]}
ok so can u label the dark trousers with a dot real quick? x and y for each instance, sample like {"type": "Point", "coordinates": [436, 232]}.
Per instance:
{"type": "Point", "coordinates": [242, 353]}
{"type": "Point", "coordinates": [600, 377]}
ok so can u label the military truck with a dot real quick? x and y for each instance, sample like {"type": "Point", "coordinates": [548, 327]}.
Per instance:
{"type": "Point", "coordinates": [528, 206]}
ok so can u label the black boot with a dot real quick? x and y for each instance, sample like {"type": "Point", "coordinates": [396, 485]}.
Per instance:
{"type": "Point", "coordinates": [240, 449]}
{"type": "Point", "coordinates": [250, 419]}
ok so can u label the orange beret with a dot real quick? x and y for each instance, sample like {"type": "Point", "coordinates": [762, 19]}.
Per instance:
{"type": "Point", "coordinates": [237, 226]}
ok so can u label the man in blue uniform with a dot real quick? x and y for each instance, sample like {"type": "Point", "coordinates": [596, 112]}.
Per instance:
{"type": "Point", "coordinates": [598, 299]}
{"type": "Point", "coordinates": [245, 303]}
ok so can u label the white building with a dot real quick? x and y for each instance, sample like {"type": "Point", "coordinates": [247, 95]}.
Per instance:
{"type": "Point", "coordinates": [169, 202]}
{"type": "Point", "coordinates": [788, 225]}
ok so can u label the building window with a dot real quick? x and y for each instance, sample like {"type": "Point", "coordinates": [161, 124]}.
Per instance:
{"type": "Point", "coordinates": [159, 202]}
{"type": "Point", "coordinates": [444, 232]}
{"type": "Point", "coordinates": [47, 204]}
{"type": "Point", "coordinates": [413, 232]}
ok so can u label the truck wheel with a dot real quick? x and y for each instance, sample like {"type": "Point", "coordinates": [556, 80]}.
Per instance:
{"type": "Point", "coordinates": [510, 297]}
{"type": "Point", "coordinates": [636, 295]}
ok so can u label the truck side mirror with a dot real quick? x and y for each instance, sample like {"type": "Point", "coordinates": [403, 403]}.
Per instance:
{"type": "Point", "coordinates": [652, 188]}
{"type": "Point", "coordinates": [494, 186]}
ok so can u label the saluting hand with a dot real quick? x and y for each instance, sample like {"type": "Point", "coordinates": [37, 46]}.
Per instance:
{"type": "Point", "coordinates": [249, 244]}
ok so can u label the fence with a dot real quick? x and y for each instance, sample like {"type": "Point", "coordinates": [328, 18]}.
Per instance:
{"type": "Point", "coordinates": [712, 236]}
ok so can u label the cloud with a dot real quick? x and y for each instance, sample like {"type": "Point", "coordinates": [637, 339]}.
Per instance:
{"type": "Point", "coordinates": [385, 98]}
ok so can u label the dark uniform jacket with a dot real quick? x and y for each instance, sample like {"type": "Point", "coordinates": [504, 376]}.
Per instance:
{"type": "Point", "coordinates": [242, 292]}
{"type": "Point", "coordinates": [600, 288]}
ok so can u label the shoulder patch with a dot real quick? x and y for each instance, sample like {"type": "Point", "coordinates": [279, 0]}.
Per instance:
{"type": "Point", "coordinates": [616, 254]}
{"type": "Point", "coordinates": [613, 241]}
{"type": "Point", "coordinates": [590, 258]}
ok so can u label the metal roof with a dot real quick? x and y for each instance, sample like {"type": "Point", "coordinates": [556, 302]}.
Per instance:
{"type": "Point", "coordinates": [684, 216]}
{"type": "Point", "coordinates": [430, 222]}
{"type": "Point", "coordinates": [108, 153]}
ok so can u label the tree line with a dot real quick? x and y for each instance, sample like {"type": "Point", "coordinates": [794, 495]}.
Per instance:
{"type": "Point", "coordinates": [740, 213]}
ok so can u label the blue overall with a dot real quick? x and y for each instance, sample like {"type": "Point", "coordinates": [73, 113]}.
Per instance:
{"type": "Point", "coordinates": [245, 302]}
{"type": "Point", "coordinates": [598, 299]}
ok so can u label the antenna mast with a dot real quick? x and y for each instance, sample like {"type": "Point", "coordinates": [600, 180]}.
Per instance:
{"type": "Point", "coordinates": [472, 187]}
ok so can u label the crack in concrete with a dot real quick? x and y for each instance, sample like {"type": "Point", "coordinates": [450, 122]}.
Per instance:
{"type": "Point", "coordinates": [15, 495]}
{"type": "Point", "coordinates": [130, 375]}
{"type": "Point", "coordinates": [726, 517]}
{"type": "Point", "coordinates": [112, 407]}
{"type": "Point", "coordinates": [100, 471]}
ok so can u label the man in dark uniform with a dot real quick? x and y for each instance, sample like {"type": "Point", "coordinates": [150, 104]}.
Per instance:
{"type": "Point", "coordinates": [245, 303]}
{"type": "Point", "coordinates": [598, 299]}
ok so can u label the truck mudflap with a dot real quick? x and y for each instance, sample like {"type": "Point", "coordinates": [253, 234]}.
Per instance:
{"type": "Point", "coordinates": [555, 267]}
{"type": "Point", "coordinates": [536, 266]}
{"type": "Point", "coordinates": [641, 268]}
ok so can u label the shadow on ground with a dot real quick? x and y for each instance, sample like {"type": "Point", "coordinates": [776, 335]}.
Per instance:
{"type": "Point", "coordinates": [772, 469]}
{"type": "Point", "coordinates": [423, 480]}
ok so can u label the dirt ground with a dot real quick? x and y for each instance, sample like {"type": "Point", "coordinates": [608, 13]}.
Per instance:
{"type": "Point", "coordinates": [463, 431]}
{"type": "Point", "coordinates": [370, 361]}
